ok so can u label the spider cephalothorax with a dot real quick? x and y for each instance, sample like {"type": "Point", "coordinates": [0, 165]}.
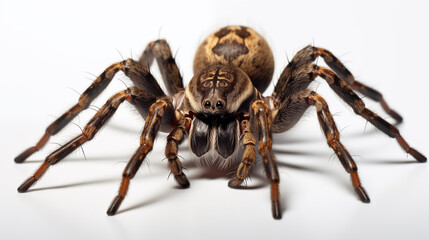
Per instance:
{"type": "Point", "coordinates": [218, 90]}
{"type": "Point", "coordinates": [218, 96]}
{"type": "Point", "coordinates": [222, 110]}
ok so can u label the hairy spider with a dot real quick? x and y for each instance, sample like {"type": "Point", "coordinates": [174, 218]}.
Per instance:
{"type": "Point", "coordinates": [222, 110]}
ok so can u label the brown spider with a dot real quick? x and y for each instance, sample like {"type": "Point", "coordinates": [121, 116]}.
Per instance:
{"type": "Point", "coordinates": [222, 109]}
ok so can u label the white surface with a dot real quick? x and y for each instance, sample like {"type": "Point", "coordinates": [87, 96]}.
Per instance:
{"type": "Point", "coordinates": [50, 49]}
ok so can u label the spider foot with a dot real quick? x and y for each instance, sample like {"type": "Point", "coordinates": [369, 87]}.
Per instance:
{"type": "Point", "coordinates": [182, 180]}
{"type": "Point", "coordinates": [235, 183]}
{"type": "Point", "coordinates": [24, 155]}
{"type": "Point", "coordinates": [404, 145]}
{"type": "Point", "coordinates": [276, 209]}
{"type": "Point", "coordinates": [27, 184]}
{"type": "Point", "coordinates": [417, 155]}
{"type": "Point", "coordinates": [363, 196]}
{"type": "Point", "coordinates": [115, 205]}
{"type": "Point", "coordinates": [398, 118]}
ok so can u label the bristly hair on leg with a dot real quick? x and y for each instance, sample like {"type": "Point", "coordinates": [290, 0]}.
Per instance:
{"type": "Point", "coordinates": [120, 54]}
{"type": "Point", "coordinates": [81, 147]}
{"type": "Point", "coordinates": [74, 90]}
{"type": "Point", "coordinates": [94, 108]}
{"type": "Point", "coordinates": [125, 84]}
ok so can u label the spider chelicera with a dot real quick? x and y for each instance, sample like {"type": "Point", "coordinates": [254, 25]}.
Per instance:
{"type": "Point", "coordinates": [222, 110]}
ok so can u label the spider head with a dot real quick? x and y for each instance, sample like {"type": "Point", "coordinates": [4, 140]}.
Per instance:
{"type": "Point", "coordinates": [217, 91]}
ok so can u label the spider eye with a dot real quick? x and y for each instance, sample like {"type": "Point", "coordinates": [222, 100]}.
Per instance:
{"type": "Point", "coordinates": [207, 104]}
{"type": "Point", "coordinates": [219, 105]}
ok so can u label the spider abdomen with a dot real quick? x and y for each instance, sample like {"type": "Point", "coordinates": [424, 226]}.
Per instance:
{"type": "Point", "coordinates": [241, 47]}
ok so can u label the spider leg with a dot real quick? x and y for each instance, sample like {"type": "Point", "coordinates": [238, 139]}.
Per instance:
{"type": "Point", "coordinates": [151, 127]}
{"type": "Point", "coordinates": [333, 137]}
{"type": "Point", "coordinates": [347, 76]}
{"type": "Point", "coordinates": [342, 89]}
{"type": "Point", "coordinates": [260, 115]}
{"type": "Point", "coordinates": [91, 128]}
{"type": "Point", "coordinates": [249, 143]}
{"type": "Point", "coordinates": [300, 72]}
{"type": "Point", "coordinates": [288, 85]}
{"type": "Point", "coordinates": [138, 74]}
{"type": "Point", "coordinates": [160, 50]}
{"type": "Point", "coordinates": [292, 109]}
{"type": "Point", "coordinates": [173, 140]}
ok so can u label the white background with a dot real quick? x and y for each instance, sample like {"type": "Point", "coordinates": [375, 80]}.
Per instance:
{"type": "Point", "coordinates": [51, 50]}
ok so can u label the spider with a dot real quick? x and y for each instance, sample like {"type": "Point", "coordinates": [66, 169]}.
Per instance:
{"type": "Point", "coordinates": [222, 110]}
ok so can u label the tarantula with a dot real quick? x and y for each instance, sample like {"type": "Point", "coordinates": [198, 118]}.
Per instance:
{"type": "Point", "coordinates": [222, 110]}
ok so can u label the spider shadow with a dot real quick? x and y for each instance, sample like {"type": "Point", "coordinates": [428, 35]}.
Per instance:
{"type": "Point", "coordinates": [81, 183]}
{"type": "Point", "coordinates": [152, 200]}
{"type": "Point", "coordinates": [77, 184]}
{"type": "Point", "coordinates": [387, 161]}
{"type": "Point", "coordinates": [199, 173]}
{"type": "Point", "coordinates": [337, 176]}
{"type": "Point", "coordinates": [213, 172]}
{"type": "Point", "coordinates": [84, 159]}
{"type": "Point", "coordinates": [284, 138]}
